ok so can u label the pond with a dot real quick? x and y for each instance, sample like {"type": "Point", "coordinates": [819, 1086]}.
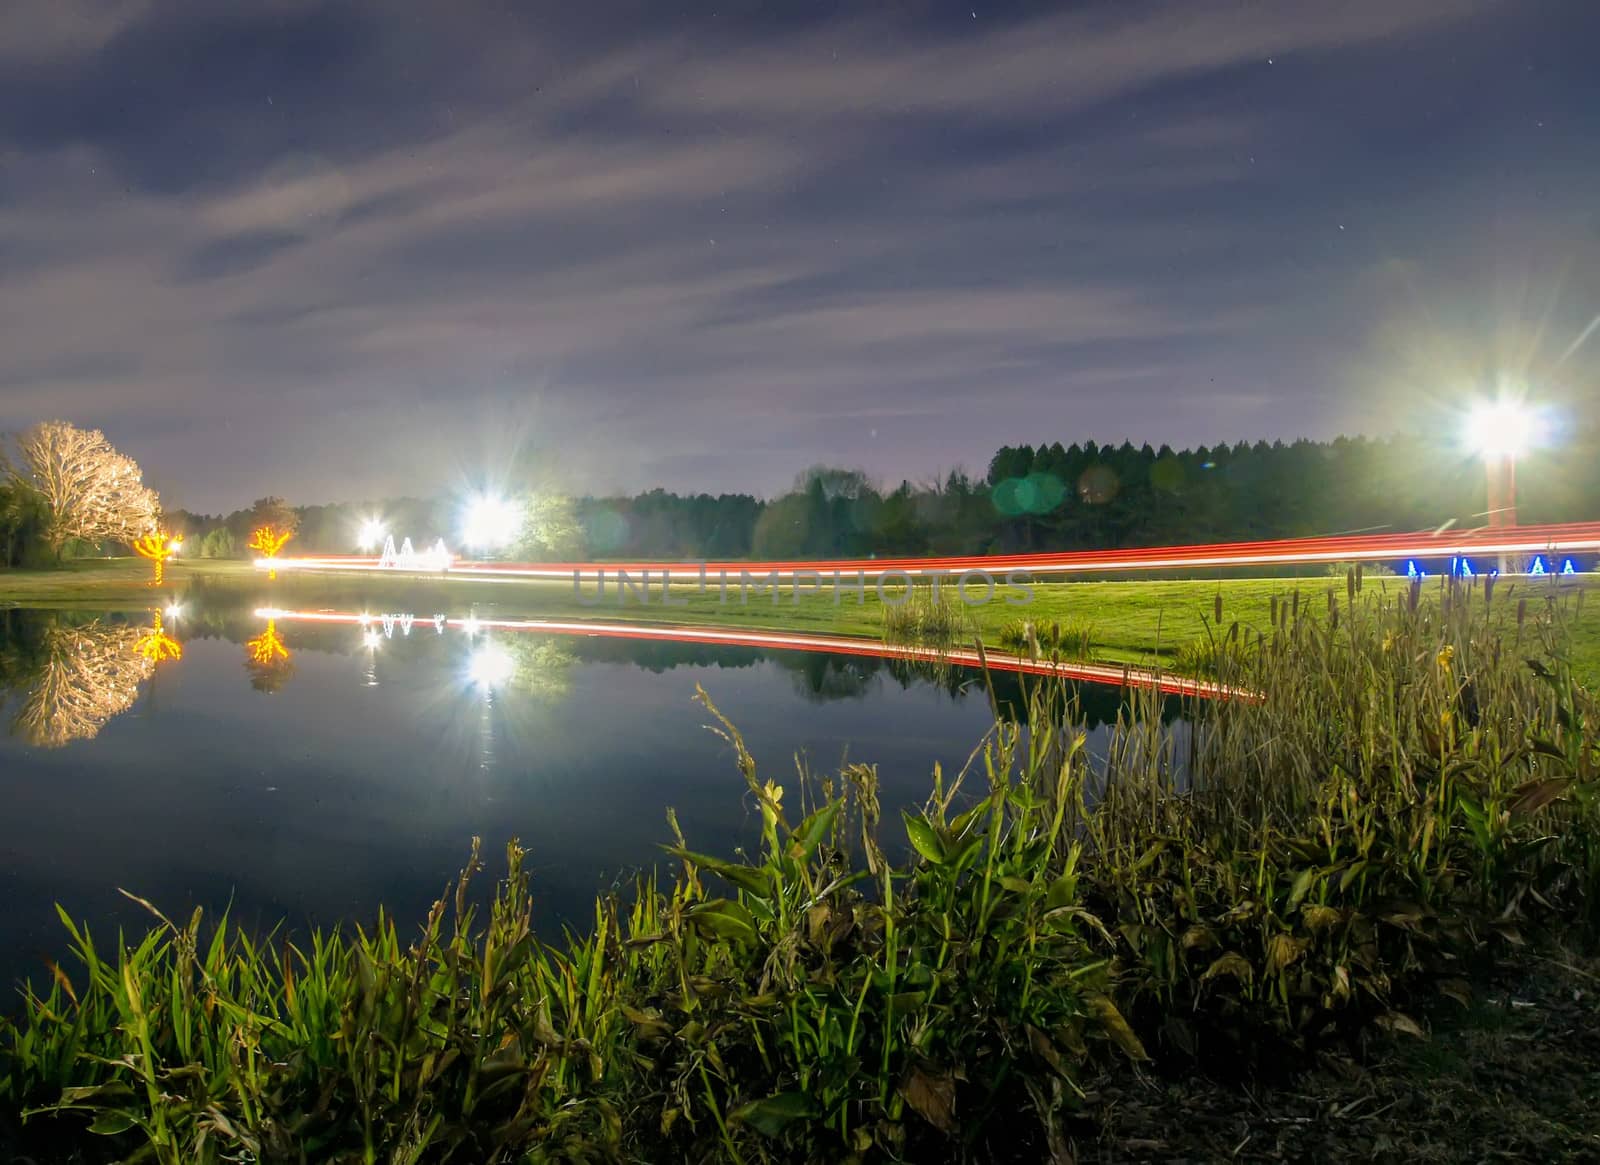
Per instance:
{"type": "Point", "coordinates": [309, 769]}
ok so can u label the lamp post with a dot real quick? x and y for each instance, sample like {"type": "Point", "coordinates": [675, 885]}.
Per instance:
{"type": "Point", "coordinates": [1499, 431]}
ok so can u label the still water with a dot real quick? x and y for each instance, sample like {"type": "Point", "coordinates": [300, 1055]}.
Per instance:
{"type": "Point", "coordinates": [310, 772]}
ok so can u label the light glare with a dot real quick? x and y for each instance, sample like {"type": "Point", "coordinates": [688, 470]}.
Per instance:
{"type": "Point", "coordinates": [1502, 428]}
{"type": "Point", "coordinates": [371, 534]}
{"type": "Point", "coordinates": [491, 666]}
{"type": "Point", "coordinates": [491, 522]}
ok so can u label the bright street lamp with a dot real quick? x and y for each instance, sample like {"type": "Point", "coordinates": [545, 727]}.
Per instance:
{"type": "Point", "coordinates": [1500, 431]}
{"type": "Point", "coordinates": [491, 523]}
{"type": "Point", "coordinates": [371, 534]}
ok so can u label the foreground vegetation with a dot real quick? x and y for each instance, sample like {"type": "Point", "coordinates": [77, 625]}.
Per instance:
{"type": "Point", "coordinates": [1412, 804]}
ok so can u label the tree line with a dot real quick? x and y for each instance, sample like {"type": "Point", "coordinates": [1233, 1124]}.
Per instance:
{"type": "Point", "coordinates": [1031, 497]}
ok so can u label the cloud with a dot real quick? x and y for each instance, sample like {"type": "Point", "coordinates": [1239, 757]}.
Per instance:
{"type": "Point", "coordinates": [342, 247]}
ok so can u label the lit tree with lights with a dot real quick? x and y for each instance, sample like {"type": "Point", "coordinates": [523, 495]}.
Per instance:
{"type": "Point", "coordinates": [91, 491]}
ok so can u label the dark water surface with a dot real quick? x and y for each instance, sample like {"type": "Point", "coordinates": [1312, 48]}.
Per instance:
{"type": "Point", "coordinates": [352, 766]}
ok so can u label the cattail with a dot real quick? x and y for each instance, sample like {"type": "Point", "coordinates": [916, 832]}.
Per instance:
{"type": "Point", "coordinates": [1272, 611]}
{"type": "Point", "coordinates": [1216, 608]}
{"type": "Point", "coordinates": [1522, 612]}
{"type": "Point", "coordinates": [1488, 590]}
{"type": "Point", "coordinates": [1350, 585]}
{"type": "Point", "coordinates": [1358, 576]}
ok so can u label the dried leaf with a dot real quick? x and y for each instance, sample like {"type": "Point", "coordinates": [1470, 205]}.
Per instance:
{"type": "Point", "coordinates": [1535, 795]}
{"type": "Point", "coordinates": [932, 1097]}
{"type": "Point", "coordinates": [1117, 1027]}
{"type": "Point", "coordinates": [1233, 964]}
{"type": "Point", "coordinates": [1401, 1024]}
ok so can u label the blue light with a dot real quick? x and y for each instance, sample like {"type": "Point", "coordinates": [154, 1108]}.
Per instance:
{"type": "Point", "coordinates": [1466, 569]}
{"type": "Point", "coordinates": [1411, 569]}
{"type": "Point", "coordinates": [1568, 568]}
{"type": "Point", "coordinates": [1538, 565]}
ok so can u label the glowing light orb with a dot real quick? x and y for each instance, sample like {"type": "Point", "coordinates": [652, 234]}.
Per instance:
{"type": "Point", "coordinates": [491, 523]}
{"type": "Point", "coordinates": [491, 667]}
{"type": "Point", "coordinates": [371, 534]}
{"type": "Point", "coordinates": [174, 610]}
{"type": "Point", "coordinates": [1502, 428]}
{"type": "Point", "coordinates": [371, 639]}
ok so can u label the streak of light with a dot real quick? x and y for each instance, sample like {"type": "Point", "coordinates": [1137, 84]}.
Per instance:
{"type": "Point", "coordinates": [1567, 538]}
{"type": "Point", "coordinates": [1114, 674]}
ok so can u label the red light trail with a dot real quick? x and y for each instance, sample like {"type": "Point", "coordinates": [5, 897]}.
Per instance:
{"type": "Point", "coordinates": [1098, 673]}
{"type": "Point", "coordinates": [1554, 540]}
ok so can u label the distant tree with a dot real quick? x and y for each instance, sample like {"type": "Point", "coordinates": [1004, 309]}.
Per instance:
{"type": "Point", "coordinates": [782, 529]}
{"type": "Point", "coordinates": [219, 543]}
{"type": "Point", "coordinates": [550, 528]}
{"type": "Point", "coordinates": [91, 491]}
{"type": "Point", "coordinates": [274, 512]}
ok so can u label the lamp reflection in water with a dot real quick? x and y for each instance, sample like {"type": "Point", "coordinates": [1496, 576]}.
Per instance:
{"type": "Point", "coordinates": [489, 669]}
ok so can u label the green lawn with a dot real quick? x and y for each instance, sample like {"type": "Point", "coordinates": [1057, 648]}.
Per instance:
{"type": "Point", "coordinates": [1132, 619]}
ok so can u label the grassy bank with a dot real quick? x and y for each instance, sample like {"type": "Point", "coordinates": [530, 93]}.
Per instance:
{"type": "Point", "coordinates": [1410, 812]}
{"type": "Point", "coordinates": [1128, 621]}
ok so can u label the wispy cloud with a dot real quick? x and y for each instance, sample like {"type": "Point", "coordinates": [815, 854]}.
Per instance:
{"type": "Point", "coordinates": [346, 256]}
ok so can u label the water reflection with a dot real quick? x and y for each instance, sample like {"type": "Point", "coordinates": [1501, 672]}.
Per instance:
{"type": "Point", "coordinates": [334, 796]}
{"type": "Point", "coordinates": [268, 660]}
{"type": "Point", "coordinates": [74, 677]}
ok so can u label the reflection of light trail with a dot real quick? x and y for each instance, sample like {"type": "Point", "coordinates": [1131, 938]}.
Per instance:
{"type": "Point", "coordinates": [1570, 538]}
{"type": "Point", "coordinates": [1097, 673]}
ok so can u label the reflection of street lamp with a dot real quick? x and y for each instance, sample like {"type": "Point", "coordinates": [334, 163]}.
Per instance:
{"type": "Point", "coordinates": [1500, 431]}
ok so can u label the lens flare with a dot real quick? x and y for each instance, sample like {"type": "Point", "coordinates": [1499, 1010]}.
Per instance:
{"type": "Point", "coordinates": [491, 666]}
{"type": "Point", "coordinates": [491, 523]}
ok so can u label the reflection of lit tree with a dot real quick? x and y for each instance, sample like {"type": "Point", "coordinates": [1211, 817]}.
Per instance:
{"type": "Point", "coordinates": [89, 675]}
{"type": "Point", "coordinates": [268, 660]}
{"type": "Point", "coordinates": [157, 646]}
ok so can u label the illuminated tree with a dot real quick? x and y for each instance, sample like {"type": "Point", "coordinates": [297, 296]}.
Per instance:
{"type": "Point", "coordinates": [90, 674]}
{"type": "Point", "coordinates": [268, 660]}
{"type": "Point", "coordinates": [92, 492]}
{"type": "Point", "coordinates": [550, 529]}
{"type": "Point", "coordinates": [269, 540]}
{"type": "Point", "coordinates": [157, 547]}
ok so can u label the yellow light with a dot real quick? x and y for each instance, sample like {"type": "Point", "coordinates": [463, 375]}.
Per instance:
{"type": "Point", "coordinates": [157, 547]}
{"type": "Point", "coordinates": [269, 541]}
{"type": "Point", "coordinates": [156, 646]}
{"type": "Point", "coordinates": [267, 648]}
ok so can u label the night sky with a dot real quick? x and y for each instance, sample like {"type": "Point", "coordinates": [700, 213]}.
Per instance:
{"type": "Point", "coordinates": [348, 250]}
